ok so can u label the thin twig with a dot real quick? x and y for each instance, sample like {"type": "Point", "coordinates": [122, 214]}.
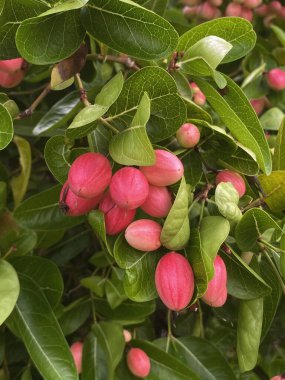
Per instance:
{"type": "Point", "coordinates": [39, 99]}
{"type": "Point", "coordinates": [83, 92]}
{"type": "Point", "coordinates": [126, 61]}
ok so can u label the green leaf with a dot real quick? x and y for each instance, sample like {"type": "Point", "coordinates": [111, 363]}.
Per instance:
{"type": "Point", "coordinates": [111, 91]}
{"type": "Point", "coordinates": [95, 283]}
{"type": "Point", "coordinates": [249, 332]}
{"type": "Point", "coordinates": [45, 273]}
{"type": "Point", "coordinates": [279, 150]}
{"type": "Point", "coordinates": [227, 199]}
{"type": "Point", "coordinates": [274, 188]}
{"type": "Point", "coordinates": [97, 223]}
{"type": "Point", "coordinates": [19, 184]}
{"type": "Point", "coordinates": [6, 127]}
{"type": "Point", "coordinates": [50, 37]}
{"type": "Point", "coordinates": [41, 334]}
{"type": "Point", "coordinates": [272, 119]}
{"type": "Point", "coordinates": [251, 226]}
{"type": "Point", "coordinates": [74, 316]}
{"type": "Point", "coordinates": [243, 282]}
{"type": "Point", "coordinates": [123, 16]}
{"type": "Point", "coordinates": [100, 138]}
{"type": "Point", "coordinates": [236, 31]}
{"type": "Point", "coordinates": [242, 161]}
{"type": "Point", "coordinates": [111, 339]}
{"type": "Point", "coordinates": [176, 229]}
{"type": "Point", "coordinates": [132, 145]}
{"type": "Point", "coordinates": [236, 112]}
{"type": "Point", "coordinates": [42, 212]}
{"type": "Point", "coordinates": [168, 111]}
{"type": "Point", "coordinates": [3, 196]}
{"type": "Point", "coordinates": [94, 363]}
{"type": "Point", "coordinates": [9, 289]}
{"type": "Point", "coordinates": [280, 34]}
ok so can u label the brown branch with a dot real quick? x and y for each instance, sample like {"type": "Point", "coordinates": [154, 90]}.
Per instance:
{"type": "Point", "coordinates": [83, 92]}
{"type": "Point", "coordinates": [124, 60]}
{"type": "Point", "coordinates": [39, 99]}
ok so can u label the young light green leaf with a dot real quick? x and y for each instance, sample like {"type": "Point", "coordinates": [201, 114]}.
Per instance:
{"type": "Point", "coordinates": [176, 229]}
{"type": "Point", "coordinates": [227, 199]}
{"type": "Point", "coordinates": [280, 34]}
{"type": "Point", "coordinates": [111, 91]}
{"type": "Point", "coordinates": [274, 188]}
{"type": "Point", "coordinates": [272, 119]}
{"type": "Point", "coordinates": [97, 223]}
{"type": "Point", "coordinates": [9, 289]}
{"type": "Point", "coordinates": [242, 161]}
{"type": "Point", "coordinates": [279, 150]}
{"type": "Point", "coordinates": [6, 127]}
{"type": "Point", "coordinates": [132, 145]}
{"type": "Point", "coordinates": [19, 183]}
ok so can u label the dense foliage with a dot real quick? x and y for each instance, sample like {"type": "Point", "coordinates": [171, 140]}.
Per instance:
{"type": "Point", "coordinates": [93, 98]}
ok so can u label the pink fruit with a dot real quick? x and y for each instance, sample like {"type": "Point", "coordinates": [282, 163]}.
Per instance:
{"type": "Point", "coordinates": [191, 2]}
{"type": "Point", "coordinates": [216, 294]}
{"type": "Point", "coordinates": [76, 350]}
{"type": "Point", "coordinates": [278, 377]}
{"type": "Point", "coordinates": [190, 11]}
{"type": "Point", "coordinates": [129, 188]}
{"type": "Point", "coordinates": [206, 11]}
{"type": "Point", "coordinates": [144, 235]}
{"type": "Point", "coordinates": [188, 135]}
{"type": "Point", "coordinates": [138, 362]}
{"type": "Point", "coordinates": [263, 10]}
{"type": "Point", "coordinates": [247, 14]}
{"type": "Point", "coordinates": [252, 3]}
{"type": "Point", "coordinates": [116, 218]}
{"type": "Point", "coordinates": [275, 6]}
{"type": "Point", "coordinates": [167, 170]}
{"type": "Point", "coordinates": [158, 203]}
{"type": "Point", "coordinates": [73, 205]}
{"type": "Point", "coordinates": [89, 175]}
{"type": "Point", "coordinates": [234, 178]}
{"type": "Point", "coordinates": [258, 105]}
{"type": "Point", "coordinates": [233, 10]}
{"type": "Point", "coordinates": [174, 281]}
{"type": "Point", "coordinates": [216, 3]}
{"type": "Point", "coordinates": [127, 336]}
{"type": "Point", "coordinates": [276, 79]}
{"type": "Point", "coordinates": [199, 99]}
{"type": "Point", "coordinates": [11, 72]}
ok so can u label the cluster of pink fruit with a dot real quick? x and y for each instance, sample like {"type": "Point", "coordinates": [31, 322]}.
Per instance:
{"type": "Point", "coordinates": [12, 72]}
{"type": "Point", "coordinates": [198, 97]}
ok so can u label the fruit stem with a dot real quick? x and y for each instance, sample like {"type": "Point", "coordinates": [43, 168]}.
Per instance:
{"type": "Point", "coordinates": [169, 333]}
{"type": "Point", "coordinates": [275, 270]}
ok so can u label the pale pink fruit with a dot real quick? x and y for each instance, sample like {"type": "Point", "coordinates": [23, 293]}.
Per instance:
{"type": "Point", "coordinates": [234, 178]}
{"type": "Point", "coordinates": [89, 175]}
{"type": "Point", "coordinates": [258, 105]}
{"type": "Point", "coordinates": [199, 98]}
{"type": "Point", "coordinates": [275, 6]}
{"type": "Point", "coordinates": [278, 377]}
{"type": "Point", "coordinates": [73, 205]}
{"type": "Point", "coordinates": [216, 294]}
{"type": "Point", "coordinates": [127, 336]}
{"type": "Point", "coordinates": [190, 11]}
{"type": "Point", "coordinates": [11, 72]}
{"type": "Point", "coordinates": [116, 218]}
{"type": "Point", "coordinates": [216, 3]}
{"type": "Point", "coordinates": [233, 10]}
{"type": "Point", "coordinates": [167, 170]}
{"type": "Point", "coordinates": [276, 79]}
{"type": "Point", "coordinates": [206, 11]}
{"type": "Point", "coordinates": [129, 188]}
{"type": "Point", "coordinates": [263, 10]}
{"type": "Point", "coordinates": [158, 203]}
{"type": "Point", "coordinates": [144, 235]}
{"type": "Point", "coordinates": [138, 362]}
{"type": "Point", "coordinates": [252, 3]}
{"type": "Point", "coordinates": [191, 2]}
{"type": "Point", "coordinates": [188, 135]}
{"type": "Point", "coordinates": [247, 14]}
{"type": "Point", "coordinates": [76, 350]}
{"type": "Point", "coordinates": [174, 281]}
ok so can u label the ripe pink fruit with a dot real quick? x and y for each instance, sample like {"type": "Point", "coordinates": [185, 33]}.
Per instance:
{"type": "Point", "coordinates": [247, 14]}
{"type": "Point", "coordinates": [190, 11]}
{"type": "Point", "coordinates": [129, 188]}
{"type": "Point", "coordinates": [216, 294]}
{"type": "Point", "coordinates": [258, 105]}
{"type": "Point", "coordinates": [234, 178]}
{"type": "Point", "coordinates": [116, 218]}
{"type": "Point", "coordinates": [278, 377]}
{"type": "Point", "coordinates": [191, 2]}
{"type": "Point", "coordinates": [76, 350]}
{"type": "Point", "coordinates": [276, 79]}
{"type": "Point", "coordinates": [263, 10]}
{"type": "Point", "coordinates": [158, 203]}
{"type": "Point", "coordinates": [89, 175]}
{"type": "Point", "coordinates": [206, 11]}
{"type": "Point", "coordinates": [198, 97]}
{"type": "Point", "coordinates": [252, 3]}
{"type": "Point", "coordinates": [167, 170]}
{"type": "Point", "coordinates": [174, 281]}
{"type": "Point", "coordinates": [144, 235]}
{"type": "Point", "coordinates": [216, 3]}
{"type": "Point", "coordinates": [233, 10]}
{"type": "Point", "coordinates": [127, 336]}
{"type": "Point", "coordinates": [275, 6]}
{"type": "Point", "coordinates": [188, 135]}
{"type": "Point", "coordinates": [138, 362]}
{"type": "Point", "coordinates": [11, 72]}
{"type": "Point", "coordinates": [73, 205]}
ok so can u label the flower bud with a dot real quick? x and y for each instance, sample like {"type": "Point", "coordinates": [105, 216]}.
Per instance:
{"type": "Point", "coordinates": [127, 336]}
{"type": "Point", "coordinates": [158, 203]}
{"type": "Point", "coordinates": [89, 175]}
{"type": "Point", "coordinates": [258, 105]}
{"type": "Point", "coordinates": [116, 218]}
{"type": "Point", "coordinates": [73, 205]}
{"type": "Point", "coordinates": [11, 72]}
{"type": "Point", "coordinates": [252, 3]}
{"type": "Point", "coordinates": [76, 351]}
{"type": "Point", "coordinates": [174, 281]}
{"type": "Point", "coordinates": [233, 10]}
{"type": "Point", "coordinates": [129, 188]}
{"type": "Point", "coordinates": [188, 135]}
{"type": "Point", "coordinates": [144, 235]}
{"type": "Point", "coordinates": [167, 170]}
{"type": "Point", "coordinates": [276, 79]}
{"type": "Point", "coordinates": [216, 294]}
{"type": "Point", "coordinates": [138, 362]}
{"type": "Point", "coordinates": [234, 178]}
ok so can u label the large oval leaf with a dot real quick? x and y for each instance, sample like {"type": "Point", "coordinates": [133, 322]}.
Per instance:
{"type": "Point", "coordinates": [274, 188]}
{"type": "Point", "coordinates": [9, 289]}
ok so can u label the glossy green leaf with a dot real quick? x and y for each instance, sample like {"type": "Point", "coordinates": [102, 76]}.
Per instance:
{"type": "Point", "coordinates": [176, 229]}
{"type": "Point", "coordinates": [100, 139]}
{"type": "Point", "coordinates": [41, 334]}
{"type": "Point", "coordinates": [114, 288]}
{"type": "Point", "coordinates": [19, 183]}
{"type": "Point", "coordinates": [252, 225]}
{"type": "Point", "coordinates": [280, 34]}
{"type": "Point", "coordinates": [249, 332]}
{"type": "Point", "coordinates": [111, 91]}
{"type": "Point", "coordinates": [274, 188]}
{"type": "Point", "coordinates": [168, 111]}
{"type": "Point", "coordinates": [272, 119]}
{"type": "Point", "coordinates": [42, 212]}
{"type": "Point", "coordinates": [236, 31]}
{"type": "Point", "coordinates": [227, 199]}
{"type": "Point", "coordinates": [279, 150]}
{"type": "Point", "coordinates": [6, 127]}
{"type": "Point", "coordinates": [242, 161]}
{"type": "Point", "coordinates": [95, 283]}
{"type": "Point", "coordinates": [51, 37]}
{"type": "Point", "coordinates": [74, 316]}
{"type": "Point", "coordinates": [236, 112]}
{"type": "Point", "coordinates": [97, 223]}
{"type": "Point", "coordinates": [9, 289]}
{"type": "Point", "coordinates": [94, 362]}
{"type": "Point", "coordinates": [123, 16]}
{"type": "Point", "coordinates": [132, 145]}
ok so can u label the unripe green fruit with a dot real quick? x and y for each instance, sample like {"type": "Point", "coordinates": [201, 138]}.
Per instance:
{"type": "Point", "coordinates": [188, 135]}
{"type": "Point", "coordinates": [138, 362]}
